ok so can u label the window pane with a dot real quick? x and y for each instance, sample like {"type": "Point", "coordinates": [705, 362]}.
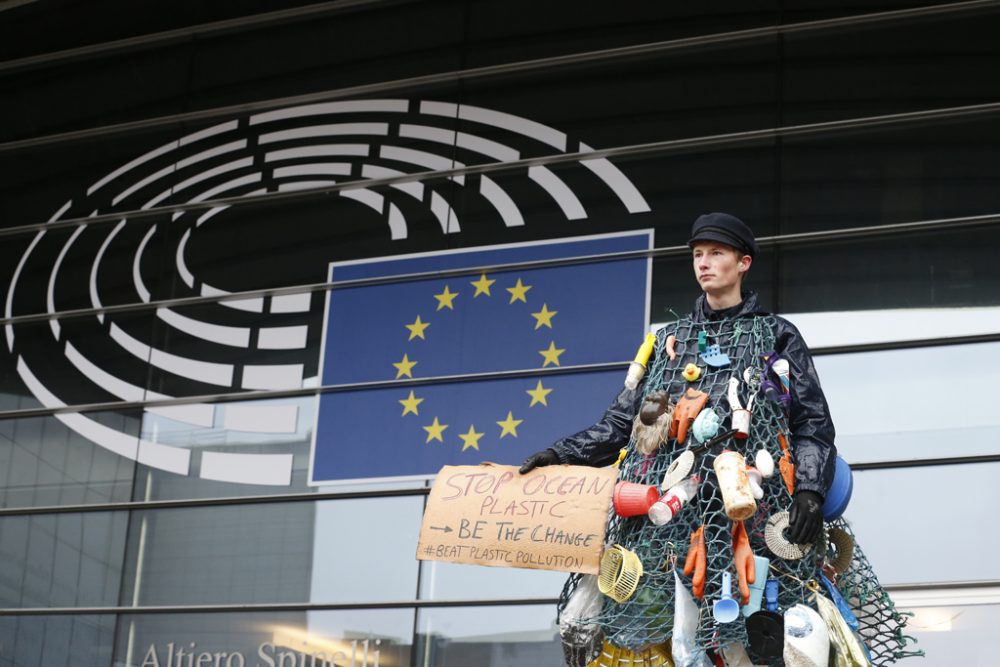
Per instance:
{"type": "Point", "coordinates": [331, 551]}
{"type": "Point", "coordinates": [898, 382]}
{"type": "Point", "coordinates": [927, 524]}
{"type": "Point", "coordinates": [45, 462]}
{"type": "Point", "coordinates": [56, 641]}
{"type": "Point", "coordinates": [910, 271]}
{"type": "Point", "coordinates": [219, 555]}
{"type": "Point", "coordinates": [364, 550]}
{"type": "Point", "coordinates": [955, 634]}
{"type": "Point", "coordinates": [61, 560]}
{"type": "Point", "coordinates": [444, 581]}
{"type": "Point", "coordinates": [489, 636]}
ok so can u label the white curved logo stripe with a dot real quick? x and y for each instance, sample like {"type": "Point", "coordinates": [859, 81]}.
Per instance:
{"type": "Point", "coordinates": [311, 146]}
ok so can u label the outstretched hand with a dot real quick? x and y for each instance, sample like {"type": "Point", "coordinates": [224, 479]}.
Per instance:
{"type": "Point", "coordinates": [805, 517]}
{"type": "Point", "coordinates": [546, 457]}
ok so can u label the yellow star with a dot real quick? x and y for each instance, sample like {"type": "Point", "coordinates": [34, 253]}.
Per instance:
{"type": "Point", "coordinates": [551, 355]}
{"type": "Point", "coordinates": [417, 329]}
{"type": "Point", "coordinates": [445, 298]}
{"type": "Point", "coordinates": [482, 286]}
{"type": "Point", "coordinates": [518, 291]}
{"type": "Point", "coordinates": [471, 439]}
{"type": "Point", "coordinates": [405, 367]}
{"type": "Point", "coordinates": [538, 394]}
{"type": "Point", "coordinates": [410, 404]}
{"type": "Point", "coordinates": [509, 426]}
{"type": "Point", "coordinates": [434, 431]}
{"type": "Point", "coordinates": [544, 316]}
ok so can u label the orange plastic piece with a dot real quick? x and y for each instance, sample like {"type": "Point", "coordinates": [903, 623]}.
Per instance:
{"type": "Point", "coordinates": [696, 562]}
{"type": "Point", "coordinates": [687, 408]}
{"type": "Point", "coordinates": [743, 559]}
{"type": "Point", "coordinates": [671, 339]}
{"type": "Point", "coordinates": [785, 465]}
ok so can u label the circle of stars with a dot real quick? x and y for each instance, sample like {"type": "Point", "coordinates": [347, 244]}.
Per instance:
{"type": "Point", "coordinates": [445, 300]}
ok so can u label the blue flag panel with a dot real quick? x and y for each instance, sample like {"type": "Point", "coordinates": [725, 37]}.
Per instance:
{"type": "Point", "coordinates": [517, 319]}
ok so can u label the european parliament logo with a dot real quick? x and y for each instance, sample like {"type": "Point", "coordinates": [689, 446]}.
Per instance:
{"type": "Point", "coordinates": [480, 349]}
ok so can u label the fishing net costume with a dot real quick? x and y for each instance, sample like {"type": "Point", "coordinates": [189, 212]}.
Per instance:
{"type": "Point", "coordinates": [645, 619]}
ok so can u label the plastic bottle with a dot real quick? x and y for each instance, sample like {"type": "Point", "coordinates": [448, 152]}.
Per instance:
{"type": "Point", "coordinates": [667, 507]}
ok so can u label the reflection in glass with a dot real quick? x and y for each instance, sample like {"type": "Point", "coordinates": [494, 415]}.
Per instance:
{"type": "Point", "coordinates": [910, 271]}
{"type": "Point", "coordinates": [248, 553]}
{"type": "Point", "coordinates": [488, 636]}
{"type": "Point", "coordinates": [43, 462]}
{"type": "Point", "coordinates": [443, 581]}
{"type": "Point", "coordinates": [958, 634]}
{"type": "Point", "coordinates": [927, 524]}
{"type": "Point", "coordinates": [355, 638]}
{"type": "Point", "coordinates": [902, 427]}
{"type": "Point", "coordinates": [359, 550]}
{"type": "Point", "coordinates": [56, 641]}
{"type": "Point", "coordinates": [238, 448]}
{"type": "Point", "coordinates": [61, 560]}
{"type": "Point", "coordinates": [363, 550]}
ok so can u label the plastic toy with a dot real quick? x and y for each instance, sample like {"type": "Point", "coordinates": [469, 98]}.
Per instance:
{"type": "Point", "coordinates": [691, 372]}
{"type": "Point", "coordinates": [715, 357]}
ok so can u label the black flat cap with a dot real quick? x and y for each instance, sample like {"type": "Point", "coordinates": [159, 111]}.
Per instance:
{"type": "Point", "coordinates": [724, 228]}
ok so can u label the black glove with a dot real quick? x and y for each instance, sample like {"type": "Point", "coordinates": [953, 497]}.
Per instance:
{"type": "Point", "coordinates": [546, 457]}
{"type": "Point", "coordinates": [805, 517]}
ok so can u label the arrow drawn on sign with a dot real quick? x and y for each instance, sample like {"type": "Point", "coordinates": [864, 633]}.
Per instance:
{"type": "Point", "coordinates": [446, 529]}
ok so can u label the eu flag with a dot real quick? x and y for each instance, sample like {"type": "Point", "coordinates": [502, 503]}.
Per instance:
{"type": "Point", "coordinates": [546, 317]}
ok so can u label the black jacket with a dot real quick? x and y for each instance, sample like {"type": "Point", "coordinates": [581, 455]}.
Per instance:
{"type": "Point", "coordinates": [812, 431]}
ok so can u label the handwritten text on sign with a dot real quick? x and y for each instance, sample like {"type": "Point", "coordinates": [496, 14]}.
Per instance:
{"type": "Point", "coordinates": [552, 518]}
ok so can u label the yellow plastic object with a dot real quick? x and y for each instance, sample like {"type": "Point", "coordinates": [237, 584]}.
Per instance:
{"type": "Point", "coordinates": [645, 350]}
{"type": "Point", "coordinates": [622, 453]}
{"type": "Point", "coordinates": [619, 574]}
{"type": "Point", "coordinates": [615, 656]}
{"type": "Point", "coordinates": [691, 372]}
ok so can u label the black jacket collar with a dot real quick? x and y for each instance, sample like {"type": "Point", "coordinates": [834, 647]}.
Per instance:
{"type": "Point", "coordinates": [749, 306]}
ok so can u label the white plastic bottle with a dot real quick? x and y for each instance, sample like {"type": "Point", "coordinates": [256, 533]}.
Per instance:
{"type": "Point", "coordinates": [671, 502]}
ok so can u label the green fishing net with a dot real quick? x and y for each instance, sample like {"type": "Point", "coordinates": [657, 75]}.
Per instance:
{"type": "Point", "coordinates": [646, 618]}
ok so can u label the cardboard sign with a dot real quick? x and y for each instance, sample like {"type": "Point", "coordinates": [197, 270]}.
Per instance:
{"type": "Point", "coordinates": [552, 518]}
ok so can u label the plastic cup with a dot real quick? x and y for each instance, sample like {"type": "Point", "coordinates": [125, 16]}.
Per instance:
{"type": "Point", "coordinates": [726, 609]}
{"type": "Point", "coordinates": [631, 499]}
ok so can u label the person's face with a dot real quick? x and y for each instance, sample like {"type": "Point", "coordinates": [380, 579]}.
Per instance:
{"type": "Point", "coordinates": [717, 266]}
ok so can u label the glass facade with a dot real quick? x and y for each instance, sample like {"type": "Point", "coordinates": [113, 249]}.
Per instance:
{"type": "Point", "coordinates": [178, 182]}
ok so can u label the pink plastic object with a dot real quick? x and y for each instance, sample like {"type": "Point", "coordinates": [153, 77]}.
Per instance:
{"type": "Point", "coordinates": [631, 499]}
